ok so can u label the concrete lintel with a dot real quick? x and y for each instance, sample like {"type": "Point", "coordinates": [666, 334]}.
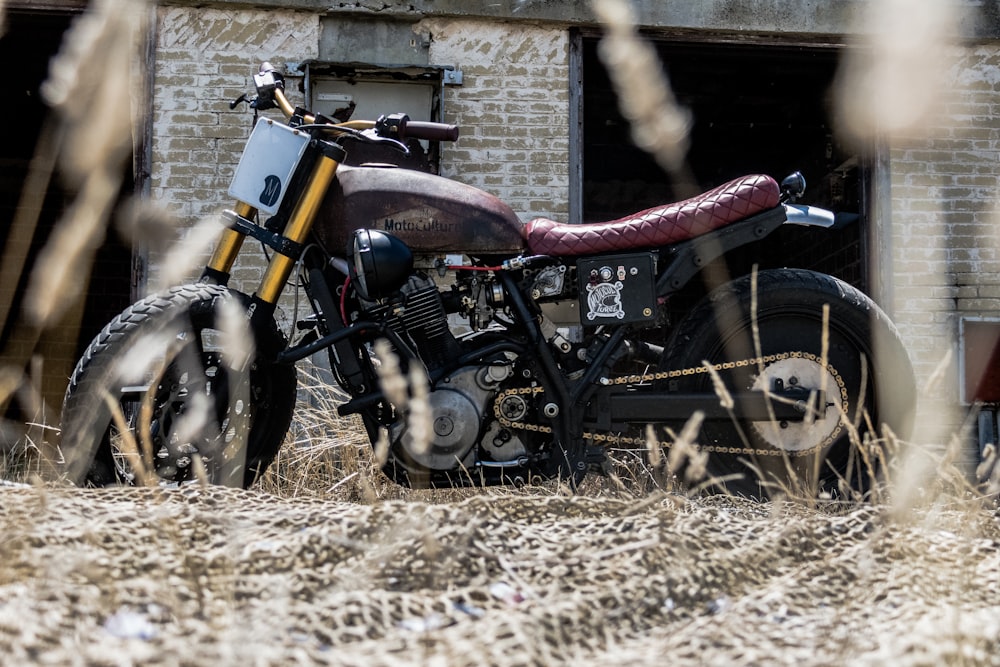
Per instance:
{"type": "Point", "coordinates": [979, 20]}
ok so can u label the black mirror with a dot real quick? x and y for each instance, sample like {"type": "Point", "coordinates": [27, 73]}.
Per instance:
{"type": "Point", "coordinates": [793, 186]}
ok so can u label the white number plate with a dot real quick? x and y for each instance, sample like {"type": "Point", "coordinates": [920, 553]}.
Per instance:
{"type": "Point", "coordinates": [267, 165]}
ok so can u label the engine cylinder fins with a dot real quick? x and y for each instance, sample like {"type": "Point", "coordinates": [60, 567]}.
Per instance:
{"type": "Point", "coordinates": [425, 322]}
{"type": "Point", "coordinates": [425, 309]}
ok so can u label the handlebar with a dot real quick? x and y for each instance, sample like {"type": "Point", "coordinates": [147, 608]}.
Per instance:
{"type": "Point", "coordinates": [419, 129]}
{"type": "Point", "coordinates": [397, 126]}
{"type": "Point", "coordinates": [286, 107]}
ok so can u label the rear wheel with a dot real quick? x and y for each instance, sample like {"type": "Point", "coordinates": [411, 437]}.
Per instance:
{"type": "Point", "coordinates": [857, 360]}
{"type": "Point", "coordinates": [172, 369]}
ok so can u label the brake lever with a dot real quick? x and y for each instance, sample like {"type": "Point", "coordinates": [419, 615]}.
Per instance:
{"type": "Point", "coordinates": [255, 102]}
{"type": "Point", "coordinates": [251, 101]}
{"type": "Point", "coordinates": [371, 136]}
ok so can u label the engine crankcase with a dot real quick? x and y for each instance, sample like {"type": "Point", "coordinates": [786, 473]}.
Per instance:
{"type": "Point", "coordinates": [456, 408]}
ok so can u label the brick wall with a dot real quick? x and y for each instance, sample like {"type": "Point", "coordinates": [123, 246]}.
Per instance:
{"type": "Point", "coordinates": [513, 110]}
{"type": "Point", "coordinates": [946, 261]}
{"type": "Point", "coordinates": [512, 107]}
{"type": "Point", "coordinates": [205, 59]}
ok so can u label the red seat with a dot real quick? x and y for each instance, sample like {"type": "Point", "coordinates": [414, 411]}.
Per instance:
{"type": "Point", "coordinates": [659, 226]}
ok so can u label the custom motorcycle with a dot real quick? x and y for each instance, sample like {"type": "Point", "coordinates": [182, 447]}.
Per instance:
{"type": "Point", "coordinates": [520, 351]}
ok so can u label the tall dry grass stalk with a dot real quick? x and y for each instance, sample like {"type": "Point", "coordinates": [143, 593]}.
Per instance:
{"type": "Point", "coordinates": [186, 255]}
{"type": "Point", "coordinates": [891, 84]}
{"type": "Point", "coordinates": [325, 455]}
{"type": "Point", "coordinates": [84, 143]}
{"type": "Point", "coordinates": [892, 88]}
{"type": "Point", "coordinates": [660, 125]}
{"type": "Point", "coordinates": [90, 88]}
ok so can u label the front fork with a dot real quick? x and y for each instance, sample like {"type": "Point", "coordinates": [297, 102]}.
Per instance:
{"type": "Point", "coordinates": [295, 233]}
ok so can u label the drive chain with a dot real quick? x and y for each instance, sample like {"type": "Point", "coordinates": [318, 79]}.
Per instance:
{"type": "Point", "coordinates": [610, 439]}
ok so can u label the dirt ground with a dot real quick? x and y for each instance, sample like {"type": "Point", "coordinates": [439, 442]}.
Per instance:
{"type": "Point", "coordinates": [211, 576]}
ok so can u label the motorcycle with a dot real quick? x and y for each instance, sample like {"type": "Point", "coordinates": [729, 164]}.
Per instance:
{"type": "Point", "coordinates": [532, 348]}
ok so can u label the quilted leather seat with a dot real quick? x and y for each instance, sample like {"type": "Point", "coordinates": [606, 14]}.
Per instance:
{"type": "Point", "coordinates": [659, 226]}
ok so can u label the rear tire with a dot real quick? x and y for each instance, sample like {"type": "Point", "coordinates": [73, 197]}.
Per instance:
{"type": "Point", "coordinates": [169, 351]}
{"type": "Point", "coordinates": [868, 375]}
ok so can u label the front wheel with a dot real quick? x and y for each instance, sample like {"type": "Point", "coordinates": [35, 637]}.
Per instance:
{"type": "Point", "coordinates": [175, 380]}
{"type": "Point", "coordinates": [856, 359]}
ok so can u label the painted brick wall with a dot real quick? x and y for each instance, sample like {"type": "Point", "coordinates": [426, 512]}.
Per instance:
{"type": "Point", "coordinates": [945, 225]}
{"type": "Point", "coordinates": [513, 110]}
{"type": "Point", "coordinates": [512, 107]}
{"type": "Point", "coordinates": [205, 58]}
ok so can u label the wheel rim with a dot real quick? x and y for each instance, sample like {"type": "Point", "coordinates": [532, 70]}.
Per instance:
{"type": "Point", "coordinates": [808, 434]}
{"type": "Point", "coordinates": [199, 407]}
{"type": "Point", "coordinates": [772, 455]}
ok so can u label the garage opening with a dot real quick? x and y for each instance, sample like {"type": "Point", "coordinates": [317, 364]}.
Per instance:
{"type": "Point", "coordinates": [755, 109]}
{"type": "Point", "coordinates": [30, 39]}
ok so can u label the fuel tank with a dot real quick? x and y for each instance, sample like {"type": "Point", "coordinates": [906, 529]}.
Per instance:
{"type": "Point", "coordinates": [431, 214]}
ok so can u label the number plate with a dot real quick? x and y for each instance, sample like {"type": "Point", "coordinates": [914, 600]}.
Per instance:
{"type": "Point", "coordinates": [267, 165]}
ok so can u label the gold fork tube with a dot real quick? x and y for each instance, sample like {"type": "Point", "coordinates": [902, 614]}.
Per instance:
{"type": "Point", "coordinates": [298, 228]}
{"type": "Point", "coordinates": [230, 243]}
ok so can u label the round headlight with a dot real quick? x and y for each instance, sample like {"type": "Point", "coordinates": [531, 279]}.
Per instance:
{"type": "Point", "coordinates": [380, 263]}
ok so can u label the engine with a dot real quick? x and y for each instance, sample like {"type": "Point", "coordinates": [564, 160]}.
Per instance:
{"type": "Point", "coordinates": [461, 403]}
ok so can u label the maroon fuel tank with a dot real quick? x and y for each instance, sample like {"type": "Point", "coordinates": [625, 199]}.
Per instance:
{"type": "Point", "coordinates": [429, 213]}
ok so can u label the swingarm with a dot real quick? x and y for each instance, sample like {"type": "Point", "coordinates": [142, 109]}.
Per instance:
{"type": "Point", "coordinates": [613, 408]}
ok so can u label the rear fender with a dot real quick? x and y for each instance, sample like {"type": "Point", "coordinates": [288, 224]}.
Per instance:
{"type": "Point", "coordinates": [810, 216]}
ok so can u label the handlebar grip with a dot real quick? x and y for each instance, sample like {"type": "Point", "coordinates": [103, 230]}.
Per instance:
{"type": "Point", "coordinates": [418, 129]}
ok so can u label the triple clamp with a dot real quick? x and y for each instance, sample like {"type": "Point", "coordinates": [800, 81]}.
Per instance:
{"type": "Point", "coordinates": [273, 240]}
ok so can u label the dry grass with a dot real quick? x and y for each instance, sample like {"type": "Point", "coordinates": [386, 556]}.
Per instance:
{"type": "Point", "coordinates": [328, 456]}
{"type": "Point", "coordinates": [325, 455]}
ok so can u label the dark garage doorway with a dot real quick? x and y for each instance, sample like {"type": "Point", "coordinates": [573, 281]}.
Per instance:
{"type": "Point", "coordinates": [33, 33]}
{"type": "Point", "coordinates": [755, 109]}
